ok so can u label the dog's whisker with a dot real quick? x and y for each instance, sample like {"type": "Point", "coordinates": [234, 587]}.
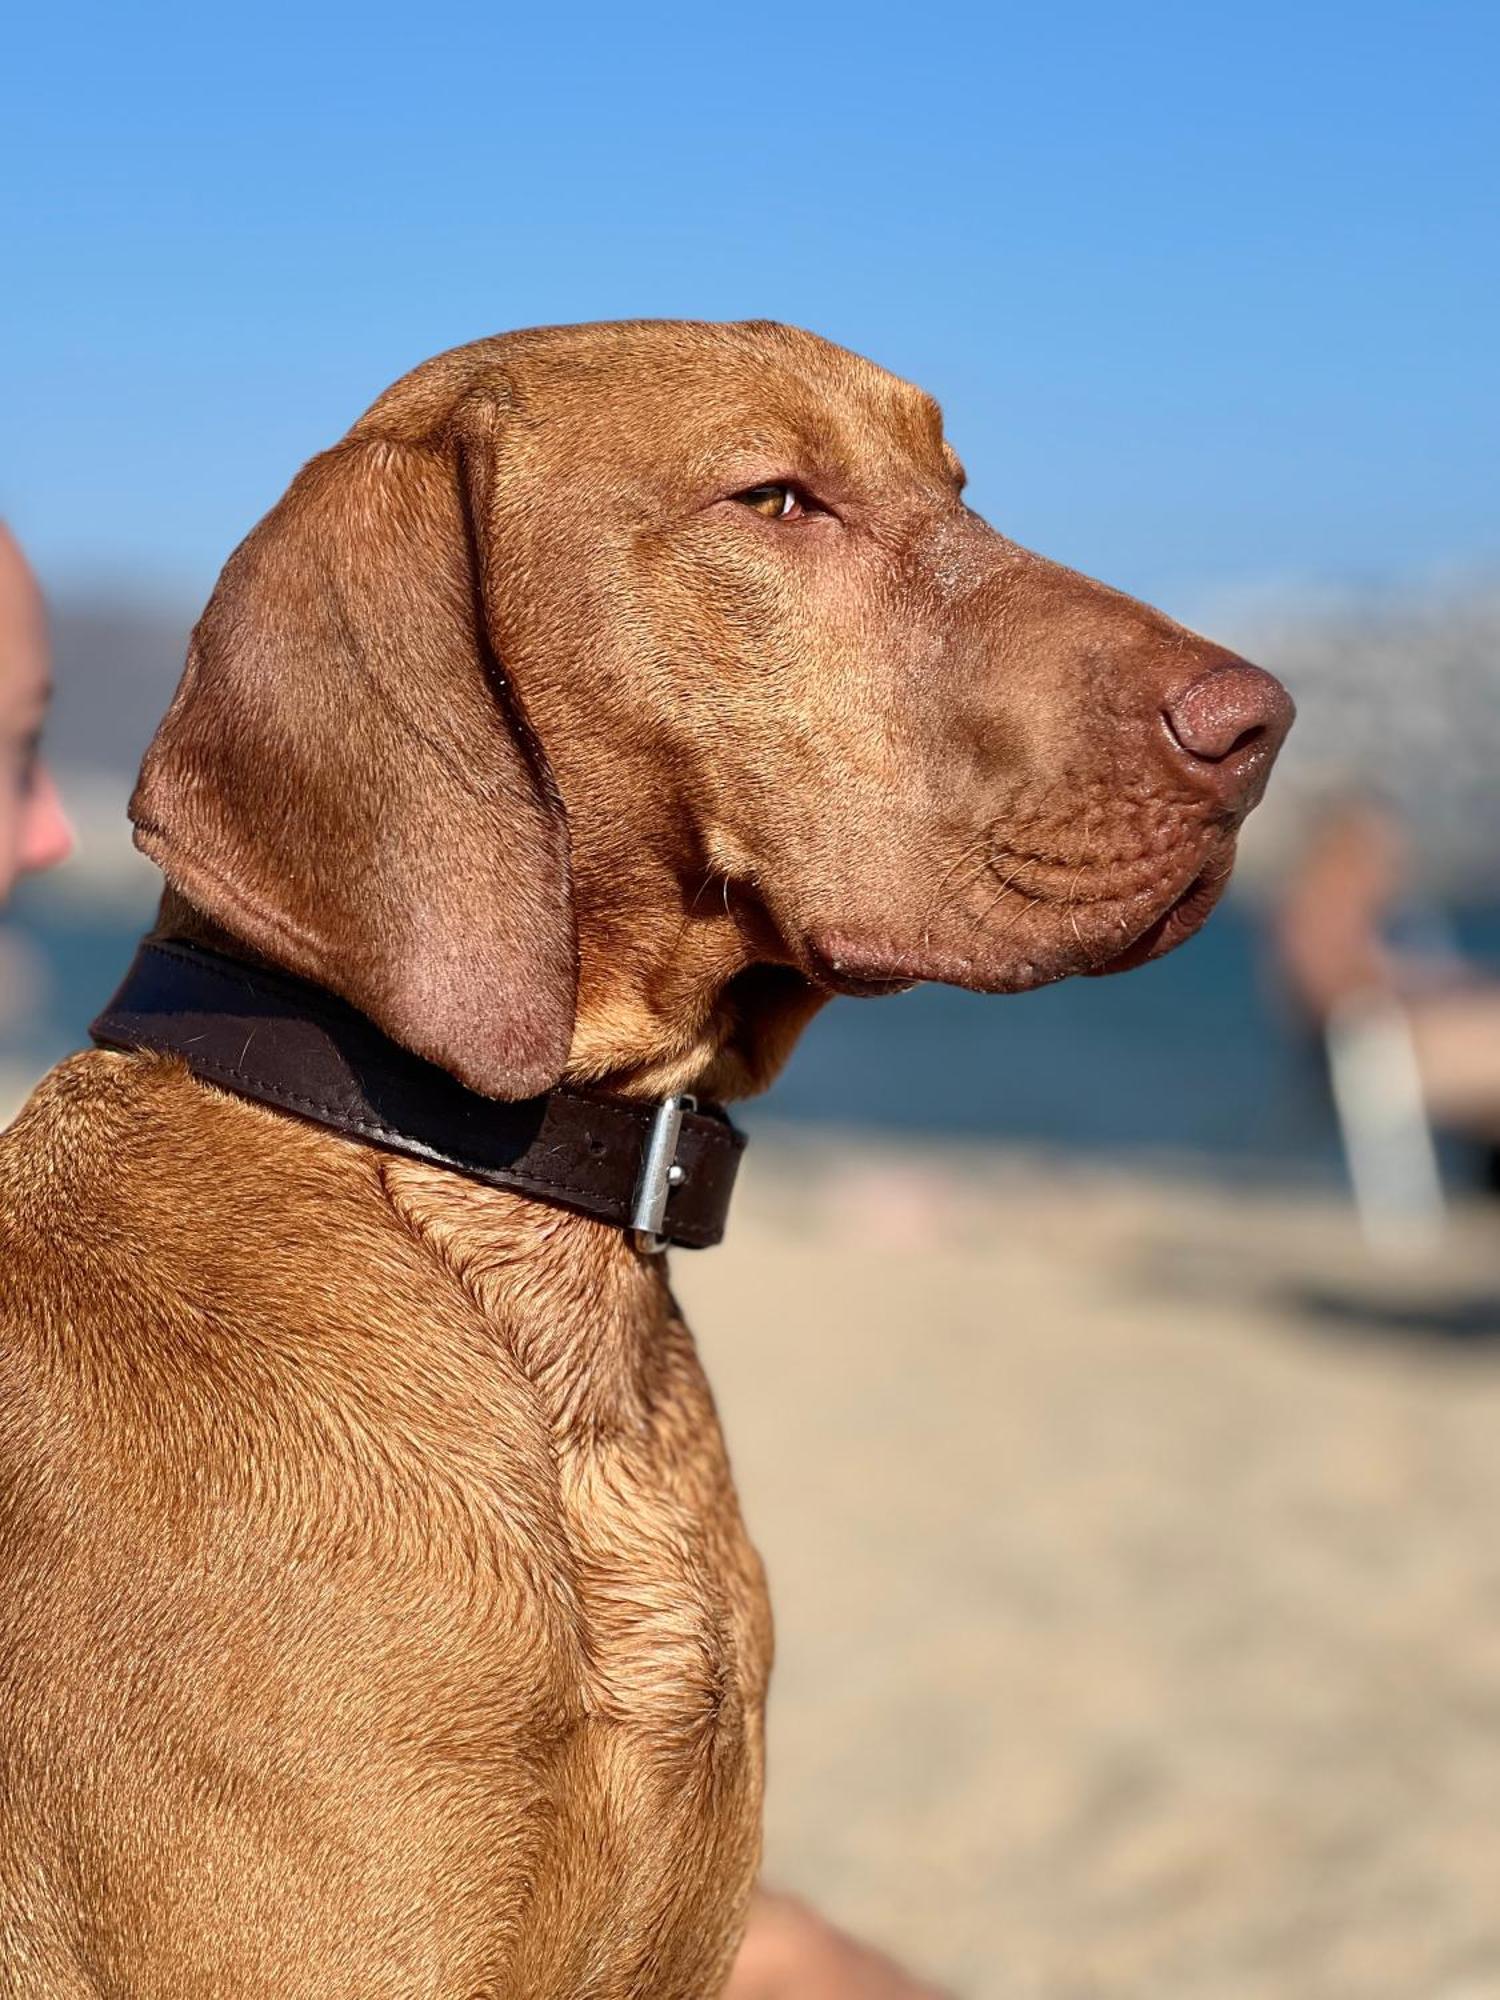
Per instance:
{"type": "Point", "coordinates": [1071, 904]}
{"type": "Point", "coordinates": [1026, 902]}
{"type": "Point", "coordinates": [981, 845]}
{"type": "Point", "coordinates": [1003, 888]}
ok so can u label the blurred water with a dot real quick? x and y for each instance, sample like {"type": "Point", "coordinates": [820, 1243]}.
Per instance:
{"type": "Point", "coordinates": [1195, 1055]}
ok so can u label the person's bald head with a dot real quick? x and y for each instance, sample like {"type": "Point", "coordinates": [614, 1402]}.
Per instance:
{"type": "Point", "coordinates": [23, 616]}
{"type": "Point", "coordinates": [34, 833]}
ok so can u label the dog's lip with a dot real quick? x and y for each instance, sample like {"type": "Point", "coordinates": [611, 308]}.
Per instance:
{"type": "Point", "coordinates": [1176, 924]}
{"type": "Point", "coordinates": [828, 971]}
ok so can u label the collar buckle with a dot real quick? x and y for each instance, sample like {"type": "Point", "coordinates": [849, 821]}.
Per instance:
{"type": "Point", "coordinates": [660, 1173]}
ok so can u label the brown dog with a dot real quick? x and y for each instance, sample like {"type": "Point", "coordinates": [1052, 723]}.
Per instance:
{"type": "Point", "coordinates": [377, 1617]}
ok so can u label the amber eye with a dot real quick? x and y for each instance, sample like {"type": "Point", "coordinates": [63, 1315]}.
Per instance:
{"type": "Point", "coordinates": [773, 503]}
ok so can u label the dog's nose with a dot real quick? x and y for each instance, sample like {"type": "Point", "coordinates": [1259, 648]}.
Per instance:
{"type": "Point", "coordinates": [1227, 727]}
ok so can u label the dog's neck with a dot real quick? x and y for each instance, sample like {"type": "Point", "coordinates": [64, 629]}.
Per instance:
{"type": "Point", "coordinates": [595, 1354]}
{"type": "Point", "coordinates": [598, 1328]}
{"type": "Point", "coordinates": [658, 1174]}
{"type": "Point", "coordinates": [682, 979]}
{"type": "Point", "coordinates": [690, 1028]}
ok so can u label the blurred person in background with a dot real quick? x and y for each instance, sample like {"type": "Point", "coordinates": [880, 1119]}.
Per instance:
{"type": "Point", "coordinates": [790, 1953]}
{"type": "Point", "coordinates": [1341, 945]}
{"type": "Point", "coordinates": [34, 831]}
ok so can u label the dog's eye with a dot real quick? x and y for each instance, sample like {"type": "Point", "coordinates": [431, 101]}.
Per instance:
{"type": "Point", "coordinates": [773, 503]}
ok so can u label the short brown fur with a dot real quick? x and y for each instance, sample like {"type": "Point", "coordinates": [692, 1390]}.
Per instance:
{"type": "Point", "coordinates": [376, 1616]}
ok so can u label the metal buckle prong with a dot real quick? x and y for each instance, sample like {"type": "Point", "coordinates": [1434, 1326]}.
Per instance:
{"type": "Point", "coordinates": [660, 1173]}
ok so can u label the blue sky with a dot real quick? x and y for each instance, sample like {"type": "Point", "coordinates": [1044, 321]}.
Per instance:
{"type": "Point", "coordinates": [1209, 292]}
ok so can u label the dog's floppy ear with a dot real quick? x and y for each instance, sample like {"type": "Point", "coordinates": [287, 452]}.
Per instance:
{"type": "Point", "coordinates": [345, 780]}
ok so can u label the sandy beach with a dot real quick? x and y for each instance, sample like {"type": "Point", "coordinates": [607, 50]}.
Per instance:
{"type": "Point", "coordinates": [1134, 1547]}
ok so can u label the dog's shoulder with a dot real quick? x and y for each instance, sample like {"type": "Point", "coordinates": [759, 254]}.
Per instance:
{"type": "Point", "coordinates": [215, 1332]}
{"type": "Point", "coordinates": [166, 1246]}
{"type": "Point", "coordinates": [187, 1276]}
{"type": "Point", "coordinates": [110, 1144]}
{"type": "Point", "coordinates": [132, 1194]}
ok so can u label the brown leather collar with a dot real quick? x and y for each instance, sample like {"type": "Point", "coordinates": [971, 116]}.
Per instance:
{"type": "Point", "coordinates": [664, 1171]}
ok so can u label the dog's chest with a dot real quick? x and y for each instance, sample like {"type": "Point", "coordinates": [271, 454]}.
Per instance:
{"type": "Point", "coordinates": [623, 1664]}
{"type": "Point", "coordinates": [663, 1770]}
{"type": "Point", "coordinates": [667, 1591]}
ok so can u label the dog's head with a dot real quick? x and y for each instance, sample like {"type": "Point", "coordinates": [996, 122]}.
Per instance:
{"type": "Point", "coordinates": [611, 695]}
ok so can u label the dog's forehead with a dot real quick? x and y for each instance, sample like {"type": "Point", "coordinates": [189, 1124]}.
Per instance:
{"type": "Point", "coordinates": [805, 406]}
{"type": "Point", "coordinates": [745, 383]}
{"type": "Point", "coordinates": [655, 393]}
{"type": "Point", "coordinates": [778, 385]}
